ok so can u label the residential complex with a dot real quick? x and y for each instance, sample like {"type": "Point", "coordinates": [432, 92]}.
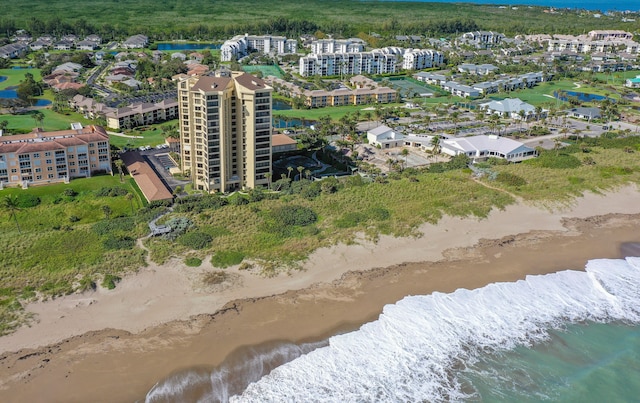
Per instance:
{"type": "Point", "coordinates": [367, 91]}
{"type": "Point", "coordinates": [240, 46]}
{"type": "Point", "coordinates": [45, 157]}
{"type": "Point", "coordinates": [333, 64]}
{"type": "Point", "coordinates": [225, 131]}
{"type": "Point", "coordinates": [138, 114]}
{"type": "Point", "coordinates": [504, 83]}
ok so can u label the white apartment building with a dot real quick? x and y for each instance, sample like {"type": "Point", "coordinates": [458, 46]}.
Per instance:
{"type": "Point", "coordinates": [225, 131]}
{"type": "Point", "coordinates": [333, 64]}
{"type": "Point", "coordinates": [240, 45]}
{"type": "Point", "coordinates": [351, 45]}
{"type": "Point", "coordinates": [418, 59]}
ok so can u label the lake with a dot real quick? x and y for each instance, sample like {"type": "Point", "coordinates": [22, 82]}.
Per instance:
{"type": "Point", "coordinates": [187, 46]}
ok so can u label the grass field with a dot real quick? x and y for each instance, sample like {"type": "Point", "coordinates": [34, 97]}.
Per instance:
{"type": "Point", "coordinates": [52, 120]}
{"type": "Point", "coordinates": [336, 112]}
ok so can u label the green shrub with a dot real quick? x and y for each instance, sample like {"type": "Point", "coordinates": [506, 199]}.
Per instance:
{"type": "Point", "coordinates": [227, 258]}
{"type": "Point", "coordinates": [111, 191]}
{"type": "Point", "coordinates": [109, 281]}
{"type": "Point", "coordinates": [510, 179]}
{"type": "Point", "coordinates": [551, 159]}
{"type": "Point", "coordinates": [26, 200]}
{"type": "Point", "coordinates": [86, 283]}
{"type": "Point", "coordinates": [118, 242]}
{"type": "Point", "coordinates": [193, 261]}
{"type": "Point", "coordinates": [351, 219]}
{"type": "Point", "coordinates": [195, 240]}
{"type": "Point", "coordinates": [293, 215]}
{"type": "Point", "coordinates": [69, 192]}
{"type": "Point", "coordinates": [608, 172]}
{"type": "Point", "coordinates": [74, 218]}
{"type": "Point", "coordinates": [116, 225]}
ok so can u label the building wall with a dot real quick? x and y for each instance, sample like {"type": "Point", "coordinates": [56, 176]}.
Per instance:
{"type": "Point", "coordinates": [53, 157]}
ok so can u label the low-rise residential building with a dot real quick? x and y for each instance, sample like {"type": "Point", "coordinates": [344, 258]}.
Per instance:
{"type": "Point", "coordinates": [510, 108]}
{"type": "Point", "coordinates": [136, 42]}
{"type": "Point", "coordinates": [130, 116]}
{"type": "Point", "coordinates": [385, 137]}
{"type": "Point", "coordinates": [479, 69]}
{"type": "Point", "coordinates": [13, 50]}
{"type": "Point", "coordinates": [43, 157]}
{"type": "Point", "coordinates": [482, 147]}
{"type": "Point", "coordinates": [281, 143]}
{"type": "Point", "coordinates": [633, 82]}
{"type": "Point", "coordinates": [460, 90]}
{"type": "Point", "coordinates": [585, 113]}
{"type": "Point", "coordinates": [483, 39]}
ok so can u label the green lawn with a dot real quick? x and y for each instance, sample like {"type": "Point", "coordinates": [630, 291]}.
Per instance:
{"type": "Point", "coordinates": [153, 135]}
{"type": "Point", "coordinates": [14, 76]}
{"type": "Point", "coordinates": [52, 120]}
{"type": "Point", "coordinates": [336, 112]}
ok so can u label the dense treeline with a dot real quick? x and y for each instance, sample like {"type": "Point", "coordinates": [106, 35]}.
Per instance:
{"type": "Point", "coordinates": [220, 19]}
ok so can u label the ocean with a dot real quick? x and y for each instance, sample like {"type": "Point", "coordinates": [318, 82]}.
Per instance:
{"type": "Point", "coordinates": [595, 5]}
{"type": "Point", "coordinates": [570, 336]}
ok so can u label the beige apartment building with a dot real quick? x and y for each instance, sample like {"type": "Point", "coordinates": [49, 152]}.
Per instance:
{"type": "Point", "coordinates": [225, 131]}
{"type": "Point", "coordinates": [46, 157]}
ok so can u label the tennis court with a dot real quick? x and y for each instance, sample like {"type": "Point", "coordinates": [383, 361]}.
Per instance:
{"type": "Point", "coordinates": [404, 85]}
{"type": "Point", "coordinates": [271, 70]}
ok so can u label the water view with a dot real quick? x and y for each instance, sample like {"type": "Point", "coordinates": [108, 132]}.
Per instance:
{"type": "Point", "coordinates": [187, 46]}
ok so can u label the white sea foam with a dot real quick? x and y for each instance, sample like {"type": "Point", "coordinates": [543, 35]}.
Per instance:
{"type": "Point", "coordinates": [410, 352]}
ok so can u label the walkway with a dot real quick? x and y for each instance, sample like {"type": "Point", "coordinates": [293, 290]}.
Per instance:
{"type": "Point", "coordinates": [124, 135]}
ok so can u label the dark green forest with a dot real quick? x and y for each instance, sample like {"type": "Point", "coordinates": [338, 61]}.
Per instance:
{"type": "Point", "coordinates": [220, 19]}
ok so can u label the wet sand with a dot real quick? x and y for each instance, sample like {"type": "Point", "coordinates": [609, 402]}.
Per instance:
{"type": "Point", "coordinates": [341, 288]}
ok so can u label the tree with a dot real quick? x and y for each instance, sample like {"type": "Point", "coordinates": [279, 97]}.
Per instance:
{"type": "Point", "coordinates": [10, 204]}
{"type": "Point", "coordinates": [300, 170]}
{"type": "Point", "coordinates": [4, 124]}
{"type": "Point", "coordinates": [28, 89]}
{"type": "Point", "coordinates": [290, 169]}
{"type": "Point", "coordinates": [38, 117]}
{"type": "Point", "coordinates": [268, 175]}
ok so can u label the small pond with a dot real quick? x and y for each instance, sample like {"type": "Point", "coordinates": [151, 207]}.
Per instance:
{"type": "Point", "coordinates": [11, 94]}
{"type": "Point", "coordinates": [279, 105]}
{"type": "Point", "coordinates": [582, 96]}
{"type": "Point", "coordinates": [3, 78]}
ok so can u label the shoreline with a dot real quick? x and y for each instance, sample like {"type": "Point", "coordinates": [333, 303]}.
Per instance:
{"type": "Point", "coordinates": [165, 324]}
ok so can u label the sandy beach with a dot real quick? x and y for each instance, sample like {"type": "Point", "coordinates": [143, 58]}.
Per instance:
{"type": "Point", "coordinates": [115, 345]}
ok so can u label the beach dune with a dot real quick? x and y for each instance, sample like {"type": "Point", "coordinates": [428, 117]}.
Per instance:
{"type": "Point", "coordinates": [115, 345]}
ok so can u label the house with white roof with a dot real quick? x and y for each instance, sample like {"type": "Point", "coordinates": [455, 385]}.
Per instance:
{"type": "Point", "coordinates": [633, 82]}
{"type": "Point", "coordinates": [483, 147]}
{"type": "Point", "coordinates": [385, 137]}
{"type": "Point", "coordinates": [509, 108]}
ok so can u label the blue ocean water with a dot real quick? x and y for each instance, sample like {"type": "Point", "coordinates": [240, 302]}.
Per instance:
{"type": "Point", "coordinates": [601, 5]}
{"type": "Point", "coordinates": [568, 336]}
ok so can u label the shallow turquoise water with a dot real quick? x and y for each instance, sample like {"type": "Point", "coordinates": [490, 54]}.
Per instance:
{"type": "Point", "coordinates": [585, 363]}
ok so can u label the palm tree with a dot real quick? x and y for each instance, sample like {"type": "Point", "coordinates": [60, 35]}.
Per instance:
{"type": "Point", "coordinates": [129, 196]}
{"type": "Point", "coordinates": [268, 175]}
{"type": "Point", "coordinates": [404, 153]}
{"type": "Point", "coordinates": [300, 170]}
{"type": "Point", "coordinates": [10, 204]}
{"type": "Point", "coordinates": [290, 169]}
{"type": "Point", "coordinates": [435, 142]}
{"type": "Point", "coordinates": [119, 164]}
